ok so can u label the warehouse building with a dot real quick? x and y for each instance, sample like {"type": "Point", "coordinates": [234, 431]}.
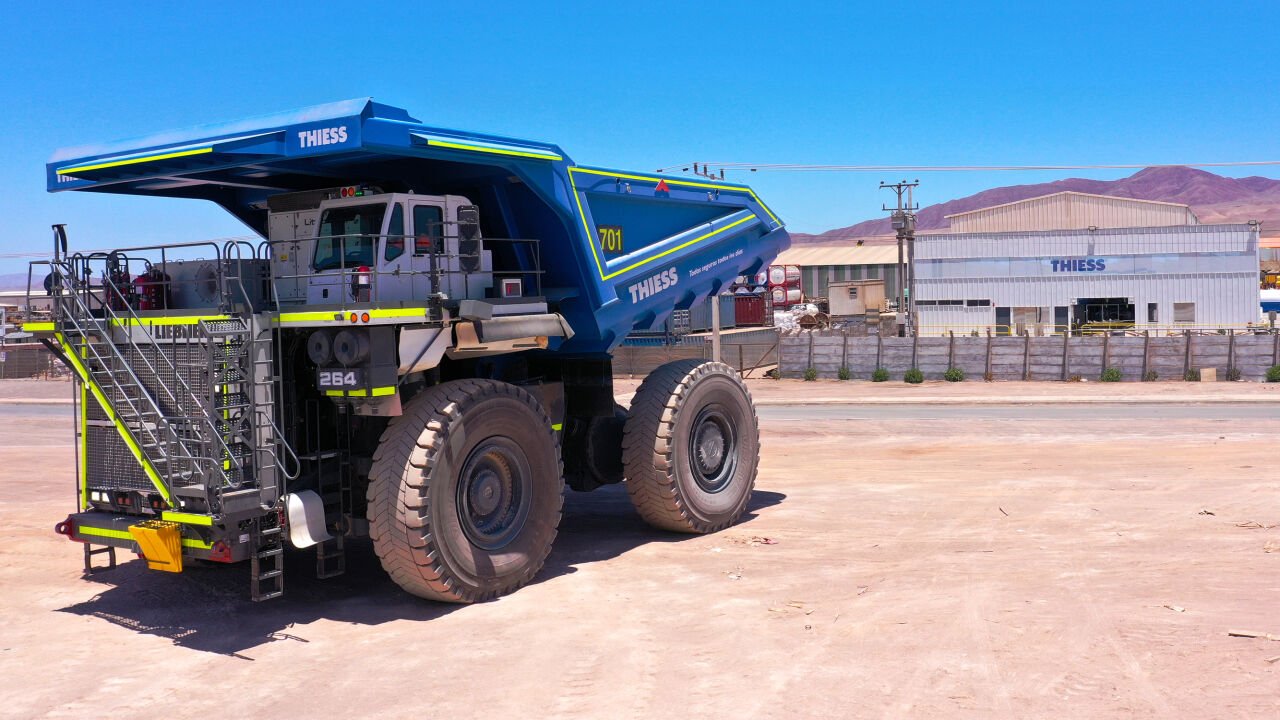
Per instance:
{"type": "Point", "coordinates": [822, 265]}
{"type": "Point", "coordinates": [1085, 262]}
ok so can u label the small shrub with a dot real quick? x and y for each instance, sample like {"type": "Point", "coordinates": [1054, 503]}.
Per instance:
{"type": "Point", "coordinates": [1273, 373]}
{"type": "Point", "coordinates": [843, 373]}
{"type": "Point", "coordinates": [953, 374]}
{"type": "Point", "coordinates": [1233, 374]}
{"type": "Point", "coordinates": [1111, 374]}
{"type": "Point", "coordinates": [1150, 376]}
{"type": "Point", "coordinates": [988, 377]}
{"type": "Point", "coordinates": [1192, 375]}
{"type": "Point", "coordinates": [880, 375]}
{"type": "Point", "coordinates": [1075, 378]}
{"type": "Point", "coordinates": [811, 374]}
{"type": "Point", "coordinates": [913, 376]}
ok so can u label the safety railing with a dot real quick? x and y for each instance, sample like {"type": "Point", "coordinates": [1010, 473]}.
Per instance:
{"type": "Point", "coordinates": [387, 267]}
{"type": "Point", "coordinates": [116, 295]}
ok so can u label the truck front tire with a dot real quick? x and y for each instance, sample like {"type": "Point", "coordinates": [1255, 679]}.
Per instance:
{"type": "Point", "coordinates": [465, 491]}
{"type": "Point", "coordinates": [691, 446]}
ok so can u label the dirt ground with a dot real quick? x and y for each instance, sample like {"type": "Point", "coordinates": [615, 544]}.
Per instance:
{"type": "Point", "coordinates": [922, 559]}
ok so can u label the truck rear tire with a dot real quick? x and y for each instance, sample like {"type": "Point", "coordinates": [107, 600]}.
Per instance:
{"type": "Point", "coordinates": [465, 491]}
{"type": "Point", "coordinates": [691, 447]}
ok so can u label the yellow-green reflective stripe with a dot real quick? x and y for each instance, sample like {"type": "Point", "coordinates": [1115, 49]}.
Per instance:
{"type": "Point", "coordinates": [595, 240]}
{"type": "Point", "coordinates": [376, 392]}
{"type": "Point", "coordinates": [494, 151]}
{"type": "Point", "coordinates": [683, 245]}
{"type": "Point", "coordinates": [170, 320]}
{"type": "Point", "coordinates": [133, 161]}
{"type": "Point", "coordinates": [556, 426]}
{"type": "Point", "coordinates": [124, 535]}
{"type": "Point", "coordinates": [343, 315]}
{"type": "Point", "coordinates": [690, 183]}
{"type": "Point", "coordinates": [398, 313]}
{"type": "Point", "coordinates": [103, 532]}
{"type": "Point", "coordinates": [308, 316]}
{"type": "Point", "coordinates": [592, 240]}
{"type": "Point", "coordinates": [84, 447]}
{"type": "Point", "coordinates": [152, 475]}
{"type": "Point", "coordinates": [37, 327]}
{"type": "Point", "coordinates": [187, 518]}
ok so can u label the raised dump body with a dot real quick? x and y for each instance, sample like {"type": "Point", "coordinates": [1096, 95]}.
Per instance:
{"type": "Point", "coordinates": [407, 277]}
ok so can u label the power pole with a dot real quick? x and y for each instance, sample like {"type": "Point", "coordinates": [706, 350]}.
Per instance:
{"type": "Point", "coordinates": [903, 218]}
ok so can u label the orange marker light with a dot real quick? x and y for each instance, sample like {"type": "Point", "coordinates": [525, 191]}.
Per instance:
{"type": "Point", "coordinates": [353, 317]}
{"type": "Point", "coordinates": [364, 317]}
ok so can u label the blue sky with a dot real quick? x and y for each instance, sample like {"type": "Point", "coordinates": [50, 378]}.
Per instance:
{"type": "Point", "coordinates": [639, 85]}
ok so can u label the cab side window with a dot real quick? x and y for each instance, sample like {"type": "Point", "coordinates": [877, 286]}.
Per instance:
{"type": "Point", "coordinates": [395, 234]}
{"type": "Point", "coordinates": [428, 228]}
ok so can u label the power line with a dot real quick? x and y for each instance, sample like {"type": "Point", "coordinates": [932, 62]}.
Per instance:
{"type": "Point", "coordinates": [801, 167]}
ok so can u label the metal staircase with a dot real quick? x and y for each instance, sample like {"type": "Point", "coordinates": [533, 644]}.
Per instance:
{"type": "Point", "coordinates": [205, 453]}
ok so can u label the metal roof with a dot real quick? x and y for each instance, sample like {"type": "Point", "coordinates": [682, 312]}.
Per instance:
{"type": "Point", "coordinates": [841, 255]}
{"type": "Point", "coordinates": [1041, 198]}
{"type": "Point", "coordinates": [1068, 210]}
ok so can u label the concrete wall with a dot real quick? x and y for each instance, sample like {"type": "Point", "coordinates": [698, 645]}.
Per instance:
{"type": "Point", "coordinates": [1029, 358]}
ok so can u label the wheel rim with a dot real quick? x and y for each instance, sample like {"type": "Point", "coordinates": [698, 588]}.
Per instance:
{"type": "Point", "coordinates": [494, 493]}
{"type": "Point", "coordinates": [713, 449]}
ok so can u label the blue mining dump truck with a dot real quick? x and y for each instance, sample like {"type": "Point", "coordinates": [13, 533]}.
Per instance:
{"type": "Point", "coordinates": [416, 348]}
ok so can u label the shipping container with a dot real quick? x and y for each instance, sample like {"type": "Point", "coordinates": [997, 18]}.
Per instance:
{"type": "Point", "coordinates": [700, 314]}
{"type": "Point", "coordinates": [749, 310]}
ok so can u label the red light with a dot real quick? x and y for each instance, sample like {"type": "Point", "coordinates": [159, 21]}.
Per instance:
{"type": "Point", "coordinates": [353, 317]}
{"type": "Point", "coordinates": [364, 317]}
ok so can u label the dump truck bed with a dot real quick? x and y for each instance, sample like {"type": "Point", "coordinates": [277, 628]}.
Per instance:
{"type": "Point", "coordinates": [619, 250]}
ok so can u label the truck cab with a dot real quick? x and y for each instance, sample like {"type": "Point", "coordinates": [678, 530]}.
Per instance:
{"type": "Point", "coordinates": [371, 246]}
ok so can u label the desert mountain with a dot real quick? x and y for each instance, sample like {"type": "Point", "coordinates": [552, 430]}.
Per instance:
{"type": "Point", "coordinates": [1213, 198]}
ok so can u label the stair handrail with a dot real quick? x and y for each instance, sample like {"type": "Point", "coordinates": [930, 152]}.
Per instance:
{"type": "Point", "coordinates": [276, 433]}
{"type": "Point", "coordinates": [137, 321]}
{"type": "Point", "coordinates": [142, 426]}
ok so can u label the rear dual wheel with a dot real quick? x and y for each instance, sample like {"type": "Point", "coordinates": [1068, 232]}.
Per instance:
{"type": "Point", "coordinates": [691, 446]}
{"type": "Point", "coordinates": [465, 491]}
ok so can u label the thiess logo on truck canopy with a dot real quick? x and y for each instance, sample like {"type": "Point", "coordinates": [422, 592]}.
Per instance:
{"type": "Point", "coordinates": [652, 285]}
{"type": "Point", "coordinates": [319, 137]}
{"type": "Point", "coordinates": [330, 134]}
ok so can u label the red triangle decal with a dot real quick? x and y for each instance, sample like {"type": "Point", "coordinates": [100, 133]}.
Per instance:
{"type": "Point", "coordinates": [662, 187]}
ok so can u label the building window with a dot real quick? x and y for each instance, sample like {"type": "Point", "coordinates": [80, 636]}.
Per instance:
{"type": "Point", "coordinates": [1153, 312]}
{"type": "Point", "coordinates": [978, 303]}
{"type": "Point", "coordinates": [923, 303]}
{"type": "Point", "coordinates": [1184, 312]}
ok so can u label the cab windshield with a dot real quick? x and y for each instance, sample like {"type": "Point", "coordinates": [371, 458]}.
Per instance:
{"type": "Point", "coordinates": [346, 236]}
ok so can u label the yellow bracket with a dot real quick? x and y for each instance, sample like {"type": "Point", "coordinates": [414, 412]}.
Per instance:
{"type": "Point", "coordinates": [161, 544]}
